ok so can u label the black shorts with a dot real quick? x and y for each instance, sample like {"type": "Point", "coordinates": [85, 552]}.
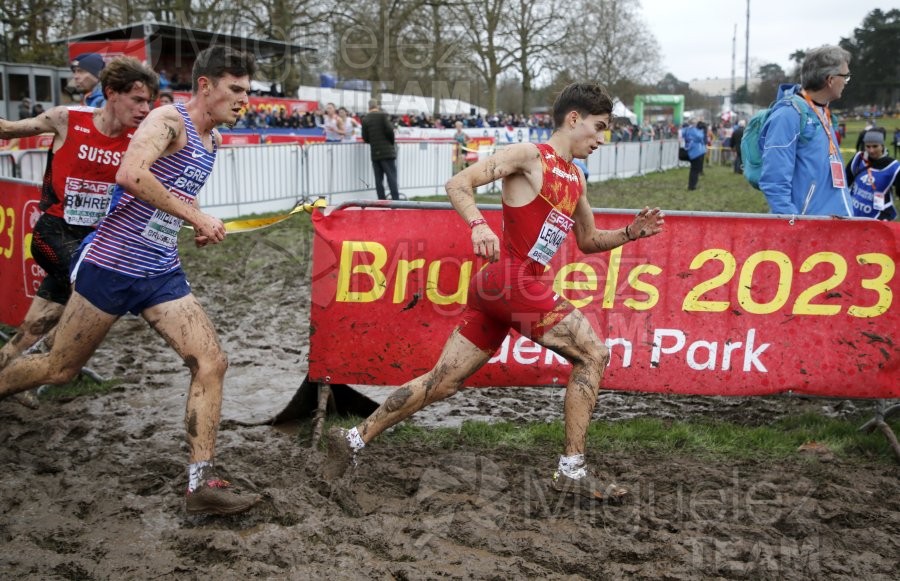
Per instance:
{"type": "Point", "coordinates": [53, 245]}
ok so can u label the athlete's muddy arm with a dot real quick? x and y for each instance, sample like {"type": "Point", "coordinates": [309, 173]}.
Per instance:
{"type": "Point", "coordinates": [519, 158]}
{"type": "Point", "coordinates": [55, 120]}
{"type": "Point", "coordinates": [590, 239]}
{"type": "Point", "coordinates": [162, 133]}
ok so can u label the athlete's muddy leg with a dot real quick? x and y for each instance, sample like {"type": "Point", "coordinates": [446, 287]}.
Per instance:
{"type": "Point", "coordinates": [41, 317]}
{"type": "Point", "coordinates": [459, 360]}
{"type": "Point", "coordinates": [575, 339]}
{"type": "Point", "coordinates": [186, 328]}
{"type": "Point", "coordinates": [81, 329]}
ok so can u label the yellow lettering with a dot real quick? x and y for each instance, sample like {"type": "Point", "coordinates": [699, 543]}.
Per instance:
{"type": "Point", "coordinates": [589, 282]}
{"type": "Point", "coordinates": [642, 286]}
{"type": "Point", "coordinates": [374, 271]}
{"type": "Point", "coordinates": [434, 274]}
{"type": "Point", "coordinates": [404, 267]}
{"type": "Point", "coordinates": [785, 279]}
{"type": "Point", "coordinates": [612, 278]}
{"type": "Point", "coordinates": [7, 214]}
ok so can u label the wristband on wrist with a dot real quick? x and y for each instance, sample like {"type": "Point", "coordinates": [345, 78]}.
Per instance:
{"type": "Point", "coordinates": [477, 222]}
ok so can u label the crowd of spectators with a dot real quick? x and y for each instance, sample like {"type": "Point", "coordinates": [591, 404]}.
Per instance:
{"type": "Point", "coordinates": [266, 116]}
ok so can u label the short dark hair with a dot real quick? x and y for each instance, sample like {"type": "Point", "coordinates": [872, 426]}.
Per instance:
{"type": "Point", "coordinates": [584, 98]}
{"type": "Point", "coordinates": [218, 60]}
{"type": "Point", "coordinates": [121, 73]}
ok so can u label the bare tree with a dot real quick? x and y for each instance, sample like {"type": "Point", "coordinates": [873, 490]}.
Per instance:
{"type": "Point", "coordinates": [369, 37]}
{"type": "Point", "coordinates": [487, 26]}
{"type": "Point", "coordinates": [537, 33]}
{"type": "Point", "coordinates": [607, 42]}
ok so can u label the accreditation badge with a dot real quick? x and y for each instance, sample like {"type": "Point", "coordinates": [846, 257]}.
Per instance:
{"type": "Point", "coordinates": [837, 174]}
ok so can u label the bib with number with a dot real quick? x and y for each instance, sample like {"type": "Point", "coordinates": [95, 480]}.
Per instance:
{"type": "Point", "coordinates": [554, 231]}
{"type": "Point", "coordinates": [162, 229]}
{"type": "Point", "coordinates": [86, 201]}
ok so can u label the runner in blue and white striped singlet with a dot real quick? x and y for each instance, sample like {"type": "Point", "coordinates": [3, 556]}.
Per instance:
{"type": "Point", "coordinates": [136, 239]}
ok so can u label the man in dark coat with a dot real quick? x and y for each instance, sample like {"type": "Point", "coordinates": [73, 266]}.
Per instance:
{"type": "Point", "coordinates": [378, 132]}
{"type": "Point", "coordinates": [736, 138]}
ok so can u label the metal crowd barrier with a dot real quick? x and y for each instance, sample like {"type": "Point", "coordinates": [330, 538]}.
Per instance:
{"type": "Point", "coordinates": [31, 165]}
{"type": "Point", "coordinates": [8, 166]}
{"type": "Point", "coordinates": [266, 178]}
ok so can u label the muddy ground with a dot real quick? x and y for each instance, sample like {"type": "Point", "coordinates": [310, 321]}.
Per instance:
{"type": "Point", "coordinates": [92, 488]}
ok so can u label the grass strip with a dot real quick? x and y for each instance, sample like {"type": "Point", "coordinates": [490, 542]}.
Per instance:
{"type": "Point", "coordinates": [705, 439]}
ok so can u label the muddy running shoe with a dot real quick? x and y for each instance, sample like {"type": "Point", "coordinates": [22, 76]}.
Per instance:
{"type": "Point", "coordinates": [339, 454]}
{"type": "Point", "coordinates": [217, 496]}
{"type": "Point", "coordinates": [588, 486]}
{"type": "Point", "coordinates": [27, 398]}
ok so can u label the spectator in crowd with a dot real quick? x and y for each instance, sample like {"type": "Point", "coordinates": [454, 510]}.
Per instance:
{"type": "Point", "coordinates": [736, 136]}
{"type": "Point", "coordinates": [873, 179]}
{"type": "Point", "coordinates": [461, 140]}
{"type": "Point", "coordinates": [86, 77]}
{"type": "Point", "coordinates": [347, 124]}
{"type": "Point", "coordinates": [166, 98]}
{"type": "Point", "coordinates": [164, 83]}
{"type": "Point", "coordinates": [694, 137]}
{"type": "Point", "coordinates": [334, 133]}
{"type": "Point", "coordinates": [296, 119]}
{"type": "Point", "coordinates": [378, 132]}
{"type": "Point", "coordinates": [37, 109]}
{"type": "Point", "coordinates": [25, 108]}
{"type": "Point", "coordinates": [896, 141]}
{"type": "Point", "coordinates": [860, 144]}
{"type": "Point", "coordinates": [802, 168]}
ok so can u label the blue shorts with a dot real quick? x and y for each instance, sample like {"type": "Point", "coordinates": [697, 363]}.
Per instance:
{"type": "Point", "coordinates": [117, 294]}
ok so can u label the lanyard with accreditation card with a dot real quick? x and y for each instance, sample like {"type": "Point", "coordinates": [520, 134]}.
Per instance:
{"type": "Point", "coordinates": [837, 167]}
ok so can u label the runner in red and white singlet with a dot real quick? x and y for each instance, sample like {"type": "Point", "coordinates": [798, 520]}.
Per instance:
{"type": "Point", "coordinates": [81, 171]}
{"type": "Point", "coordinates": [543, 202]}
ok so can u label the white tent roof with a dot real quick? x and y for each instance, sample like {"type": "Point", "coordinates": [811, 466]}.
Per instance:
{"type": "Point", "coordinates": [358, 102]}
{"type": "Point", "coordinates": [620, 110]}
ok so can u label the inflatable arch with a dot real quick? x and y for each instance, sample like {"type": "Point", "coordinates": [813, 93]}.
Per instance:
{"type": "Point", "coordinates": [674, 101]}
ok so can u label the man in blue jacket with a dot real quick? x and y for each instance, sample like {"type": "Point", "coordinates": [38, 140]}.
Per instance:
{"type": "Point", "coordinates": [802, 168]}
{"type": "Point", "coordinates": [694, 138]}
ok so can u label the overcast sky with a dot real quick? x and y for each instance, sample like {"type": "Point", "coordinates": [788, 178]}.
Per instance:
{"type": "Point", "coordinates": [695, 37]}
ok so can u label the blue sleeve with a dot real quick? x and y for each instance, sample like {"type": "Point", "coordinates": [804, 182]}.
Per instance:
{"type": "Point", "coordinates": [779, 154]}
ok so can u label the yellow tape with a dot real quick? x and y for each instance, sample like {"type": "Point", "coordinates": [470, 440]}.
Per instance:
{"type": "Point", "coordinates": [251, 224]}
{"type": "Point", "coordinates": [490, 147]}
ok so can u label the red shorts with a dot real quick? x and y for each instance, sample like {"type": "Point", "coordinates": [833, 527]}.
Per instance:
{"type": "Point", "coordinates": [506, 294]}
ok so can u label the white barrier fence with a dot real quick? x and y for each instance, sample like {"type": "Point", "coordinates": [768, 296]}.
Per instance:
{"type": "Point", "coordinates": [267, 178]}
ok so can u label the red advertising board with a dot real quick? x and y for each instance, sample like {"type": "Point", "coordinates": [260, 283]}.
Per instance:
{"type": "Point", "coordinates": [20, 274]}
{"type": "Point", "coordinates": [299, 139]}
{"type": "Point", "coordinates": [229, 138]}
{"type": "Point", "coordinates": [111, 49]}
{"type": "Point", "coordinates": [715, 305]}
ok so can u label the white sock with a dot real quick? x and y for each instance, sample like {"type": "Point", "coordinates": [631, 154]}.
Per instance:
{"type": "Point", "coordinates": [356, 441]}
{"type": "Point", "coordinates": [194, 474]}
{"type": "Point", "coordinates": [572, 466]}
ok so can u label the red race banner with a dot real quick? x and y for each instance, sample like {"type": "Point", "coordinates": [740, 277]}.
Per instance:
{"type": "Point", "coordinates": [715, 305]}
{"type": "Point", "coordinates": [20, 274]}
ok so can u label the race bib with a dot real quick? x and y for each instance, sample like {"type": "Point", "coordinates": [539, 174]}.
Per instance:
{"type": "Point", "coordinates": [86, 201]}
{"type": "Point", "coordinates": [554, 231]}
{"type": "Point", "coordinates": [837, 174]}
{"type": "Point", "coordinates": [162, 229]}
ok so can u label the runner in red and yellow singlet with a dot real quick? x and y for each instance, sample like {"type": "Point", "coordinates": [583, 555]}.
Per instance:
{"type": "Point", "coordinates": [543, 201]}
